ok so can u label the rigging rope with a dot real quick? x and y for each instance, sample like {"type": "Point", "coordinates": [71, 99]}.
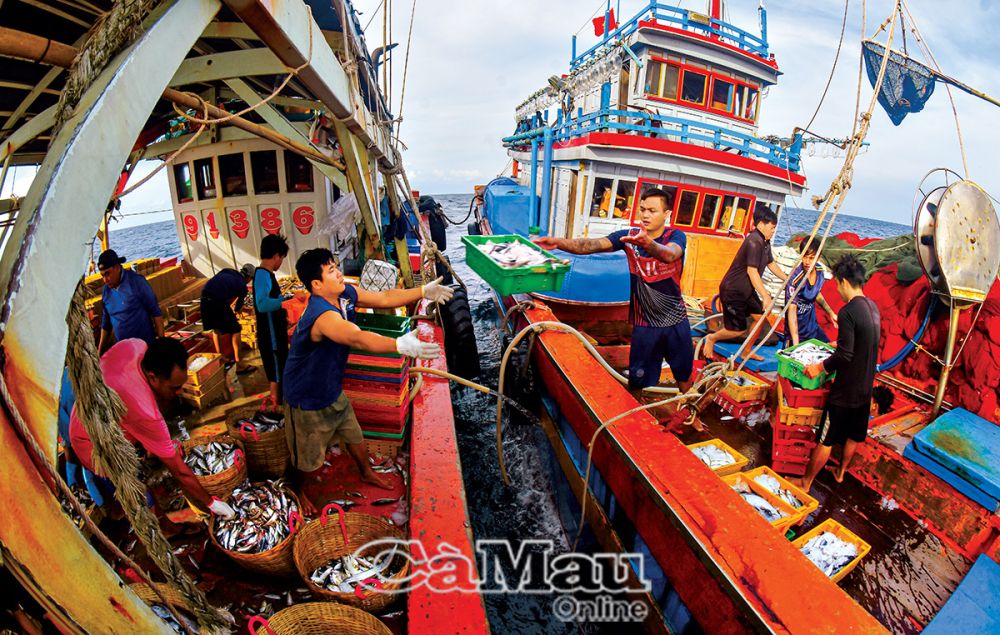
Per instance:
{"type": "Point", "coordinates": [58, 486]}
{"type": "Point", "coordinates": [406, 67]}
{"type": "Point", "coordinates": [100, 409]}
{"type": "Point", "coordinates": [951, 98]}
{"type": "Point", "coordinates": [833, 69]}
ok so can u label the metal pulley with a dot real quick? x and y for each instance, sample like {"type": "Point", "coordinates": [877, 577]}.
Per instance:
{"type": "Point", "coordinates": [957, 238]}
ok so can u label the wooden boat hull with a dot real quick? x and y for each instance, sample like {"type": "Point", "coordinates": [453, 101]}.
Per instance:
{"type": "Point", "coordinates": [728, 567]}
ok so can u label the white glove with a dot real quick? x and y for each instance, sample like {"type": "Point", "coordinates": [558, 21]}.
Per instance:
{"type": "Point", "coordinates": [437, 292]}
{"type": "Point", "coordinates": [221, 508]}
{"type": "Point", "coordinates": [410, 346]}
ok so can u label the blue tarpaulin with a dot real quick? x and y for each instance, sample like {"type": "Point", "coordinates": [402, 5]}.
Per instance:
{"type": "Point", "coordinates": [974, 607]}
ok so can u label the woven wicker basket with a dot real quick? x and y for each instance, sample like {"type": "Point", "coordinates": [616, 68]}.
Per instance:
{"type": "Point", "coordinates": [220, 484]}
{"type": "Point", "coordinates": [171, 594]}
{"type": "Point", "coordinates": [322, 540]}
{"type": "Point", "coordinates": [318, 618]}
{"type": "Point", "coordinates": [276, 561]}
{"type": "Point", "coordinates": [267, 453]}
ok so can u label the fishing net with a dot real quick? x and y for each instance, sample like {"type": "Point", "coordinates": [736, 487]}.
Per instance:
{"type": "Point", "coordinates": [907, 86]}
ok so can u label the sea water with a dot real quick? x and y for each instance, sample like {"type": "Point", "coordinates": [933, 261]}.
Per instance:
{"type": "Point", "coordinates": [528, 509]}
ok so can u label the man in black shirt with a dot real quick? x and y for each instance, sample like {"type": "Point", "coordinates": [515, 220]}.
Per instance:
{"type": "Point", "coordinates": [845, 420]}
{"type": "Point", "coordinates": [742, 290]}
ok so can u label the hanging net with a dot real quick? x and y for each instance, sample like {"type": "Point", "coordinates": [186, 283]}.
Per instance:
{"type": "Point", "coordinates": [908, 84]}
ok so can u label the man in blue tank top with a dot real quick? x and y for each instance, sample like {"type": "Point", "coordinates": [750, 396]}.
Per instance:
{"type": "Point", "coordinates": [316, 409]}
{"type": "Point", "coordinates": [657, 313]}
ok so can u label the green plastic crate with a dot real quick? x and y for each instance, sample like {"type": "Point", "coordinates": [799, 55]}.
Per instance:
{"type": "Point", "coordinates": [793, 370]}
{"type": "Point", "coordinates": [508, 281]}
{"type": "Point", "coordinates": [388, 325]}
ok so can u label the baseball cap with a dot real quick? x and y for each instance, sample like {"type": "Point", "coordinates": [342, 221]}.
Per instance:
{"type": "Point", "coordinates": [109, 258]}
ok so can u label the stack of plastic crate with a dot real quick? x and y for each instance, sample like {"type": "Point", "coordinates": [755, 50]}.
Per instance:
{"type": "Point", "coordinates": [378, 385]}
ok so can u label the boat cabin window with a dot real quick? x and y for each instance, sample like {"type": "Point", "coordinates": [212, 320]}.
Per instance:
{"type": "Point", "coordinates": [698, 88]}
{"type": "Point", "coordinates": [298, 173]}
{"type": "Point", "coordinates": [734, 214]}
{"type": "Point", "coordinates": [233, 174]}
{"type": "Point", "coordinates": [703, 210]}
{"type": "Point", "coordinates": [662, 79]}
{"type": "Point", "coordinates": [686, 208]}
{"type": "Point", "coordinates": [693, 87]}
{"type": "Point", "coordinates": [624, 198]}
{"type": "Point", "coordinates": [722, 95]}
{"type": "Point", "coordinates": [750, 106]}
{"type": "Point", "coordinates": [204, 177]}
{"type": "Point", "coordinates": [710, 205]}
{"type": "Point", "coordinates": [182, 183]}
{"type": "Point", "coordinates": [264, 165]}
{"type": "Point", "coordinates": [601, 206]}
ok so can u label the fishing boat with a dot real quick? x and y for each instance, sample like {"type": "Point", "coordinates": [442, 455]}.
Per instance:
{"type": "Point", "coordinates": [670, 97]}
{"type": "Point", "coordinates": [267, 118]}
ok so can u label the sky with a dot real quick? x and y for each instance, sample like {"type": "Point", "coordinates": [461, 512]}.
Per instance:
{"type": "Point", "coordinates": [471, 63]}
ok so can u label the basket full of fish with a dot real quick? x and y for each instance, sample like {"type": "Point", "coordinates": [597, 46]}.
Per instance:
{"type": "Point", "coordinates": [352, 558]}
{"type": "Point", "coordinates": [792, 362]}
{"type": "Point", "coordinates": [833, 548]}
{"type": "Point", "coordinates": [795, 496]}
{"type": "Point", "coordinates": [512, 264]}
{"type": "Point", "coordinates": [262, 432]}
{"type": "Point", "coordinates": [723, 459]}
{"type": "Point", "coordinates": [217, 462]}
{"type": "Point", "coordinates": [259, 536]}
{"type": "Point", "coordinates": [773, 509]}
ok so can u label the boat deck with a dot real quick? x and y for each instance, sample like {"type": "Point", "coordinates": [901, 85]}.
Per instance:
{"type": "Point", "coordinates": [909, 573]}
{"type": "Point", "coordinates": [907, 576]}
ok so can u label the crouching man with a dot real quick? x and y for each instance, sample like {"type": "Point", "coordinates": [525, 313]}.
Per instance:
{"type": "Point", "coordinates": [147, 377]}
{"type": "Point", "coordinates": [317, 411]}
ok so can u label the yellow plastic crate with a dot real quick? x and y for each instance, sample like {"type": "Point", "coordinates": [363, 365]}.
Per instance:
{"type": "Point", "coordinates": [207, 373]}
{"type": "Point", "coordinates": [797, 416]}
{"type": "Point", "coordinates": [809, 504]}
{"type": "Point", "coordinates": [757, 390]}
{"type": "Point", "coordinates": [741, 461]}
{"type": "Point", "coordinates": [781, 524]}
{"type": "Point", "coordinates": [844, 534]}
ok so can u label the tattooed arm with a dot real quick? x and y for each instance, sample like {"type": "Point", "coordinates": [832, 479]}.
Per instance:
{"type": "Point", "coordinates": [575, 245]}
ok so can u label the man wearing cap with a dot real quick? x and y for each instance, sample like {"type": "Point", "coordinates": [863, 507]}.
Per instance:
{"type": "Point", "coordinates": [221, 297]}
{"type": "Point", "coordinates": [130, 306]}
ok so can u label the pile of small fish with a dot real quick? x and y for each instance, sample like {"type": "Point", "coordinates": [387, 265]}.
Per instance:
{"type": "Point", "coordinates": [829, 553]}
{"type": "Point", "coordinates": [772, 485]}
{"type": "Point", "coordinates": [513, 254]}
{"type": "Point", "coordinates": [261, 520]}
{"type": "Point", "coordinates": [764, 508]}
{"type": "Point", "coordinates": [264, 421]}
{"type": "Point", "coordinates": [211, 458]}
{"type": "Point", "coordinates": [197, 364]}
{"type": "Point", "coordinates": [344, 574]}
{"type": "Point", "coordinates": [808, 354]}
{"type": "Point", "coordinates": [713, 457]}
{"type": "Point", "coordinates": [164, 614]}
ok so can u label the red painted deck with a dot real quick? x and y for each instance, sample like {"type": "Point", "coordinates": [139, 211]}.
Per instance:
{"type": "Point", "coordinates": [731, 569]}
{"type": "Point", "coordinates": [438, 512]}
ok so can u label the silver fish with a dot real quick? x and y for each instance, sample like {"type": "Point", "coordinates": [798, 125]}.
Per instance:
{"type": "Point", "coordinates": [829, 553]}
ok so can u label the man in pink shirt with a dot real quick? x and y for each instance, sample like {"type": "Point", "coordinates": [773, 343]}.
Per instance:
{"type": "Point", "coordinates": [145, 375]}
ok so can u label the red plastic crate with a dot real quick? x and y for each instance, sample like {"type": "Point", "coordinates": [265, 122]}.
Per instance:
{"type": "Point", "coordinates": [797, 397]}
{"type": "Point", "coordinates": [790, 468]}
{"type": "Point", "coordinates": [738, 409]}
